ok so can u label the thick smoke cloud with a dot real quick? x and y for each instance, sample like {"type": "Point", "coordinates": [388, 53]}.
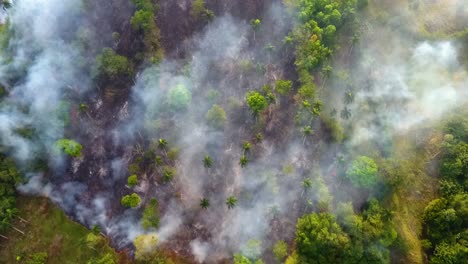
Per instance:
{"type": "Point", "coordinates": [399, 84]}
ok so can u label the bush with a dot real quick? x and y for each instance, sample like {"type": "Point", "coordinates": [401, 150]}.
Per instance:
{"type": "Point", "coordinates": [150, 217]}
{"type": "Point", "coordinates": [216, 117]}
{"type": "Point", "coordinates": [112, 65]}
{"type": "Point", "coordinates": [280, 250]}
{"type": "Point", "coordinates": [132, 181]}
{"type": "Point", "coordinates": [320, 239]}
{"type": "Point", "coordinates": [283, 86]}
{"type": "Point", "coordinates": [256, 102]}
{"type": "Point", "coordinates": [179, 97]}
{"type": "Point", "coordinates": [363, 172]}
{"type": "Point", "coordinates": [70, 147]}
{"type": "Point", "coordinates": [132, 200]}
{"type": "Point", "coordinates": [142, 19]}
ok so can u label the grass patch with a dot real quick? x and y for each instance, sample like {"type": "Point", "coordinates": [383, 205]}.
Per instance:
{"type": "Point", "coordinates": [50, 231]}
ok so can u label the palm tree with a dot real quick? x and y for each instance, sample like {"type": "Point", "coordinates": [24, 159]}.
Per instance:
{"type": "Point", "coordinates": [231, 202]}
{"type": "Point", "coordinates": [162, 143]}
{"type": "Point", "coordinates": [243, 161]}
{"type": "Point", "coordinates": [345, 113]}
{"type": "Point", "coordinates": [246, 146]}
{"type": "Point", "coordinates": [207, 162]}
{"type": "Point", "coordinates": [307, 183]}
{"type": "Point", "coordinates": [255, 23]}
{"type": "Point", "coordinates": [204, 203]}
{"type": "Point", "coordinates": [306, 131]}
{"type": "Point", "coordinates": [349, 97]}
{"type": "Point", "coordinates": [168, 174]}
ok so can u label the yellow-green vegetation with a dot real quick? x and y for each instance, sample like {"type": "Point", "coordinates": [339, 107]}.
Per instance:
{"type": "Point", "coordinates": [70, 147]}
{"type": "Point", "coordinates": [199, 11]}
{"type": "Point", "coordinates": [132, 180]}
{"type": "Point", "coordinates": [112, 65]}
{"type": "Point", "coordinates": [131, 200]}
{"type": "Point", "coordinates": [216, 117]}
{"type": "Point", "coordinates": [143, 22]}
{"type": "Point", "coordinates": [9, 178]}
{"type": "Point", "coordinates": [50, 235]}
{"type": "Point", "coordinates": [150, 218]}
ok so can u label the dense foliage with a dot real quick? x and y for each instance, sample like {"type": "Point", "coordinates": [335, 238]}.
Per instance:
{"type": "Point", "coordinates": [70, 147]}
{"type": "Point", "coordinates": [446, 218]}
{"type": "Point", "coordinates": [9, 178]}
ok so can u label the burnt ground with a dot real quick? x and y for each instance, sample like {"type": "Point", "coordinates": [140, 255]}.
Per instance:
{"type": "Point", "coordinates": [111, 104]}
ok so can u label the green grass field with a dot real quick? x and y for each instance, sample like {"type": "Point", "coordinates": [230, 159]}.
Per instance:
{"type": "Point", "coordinates": [48, 230]}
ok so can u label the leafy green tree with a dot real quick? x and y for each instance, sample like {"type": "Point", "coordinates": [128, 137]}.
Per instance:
{"type": "Point", "coordinates": [363, 172]}
{"type": "Point", "coordinates": [446, 218]}
{"type": "Point", "coordinates": [207, 162]}
{"type": "Point", "coordinates": [113, 65]}
{"type": "Point", "coordinates": [240, 259]}
{"type": "Point", "coordinates": [216, 117]}
{"type": "Point", "coordinates": [132, 181]}
{"type": "Point", "coordinates": [150, 218]}
{"type": "Point", "coordinates": [70, 147]}
{"type": "Point", "coordinates": [243, 161]}
{"type": "Point", "coordinates": [320, 239]}
{"type": "Point", "coordinates": [132, 200]}
{"type": "Point", "coordinates": [455, 163]}
{"type": "Point", "coordinates": [9, 178]}
{"type": "Point", "coordinates": [449, 253]}
{"type": "Point", "coordinates": [280, 250]}
{"type": "Point", "coordinates": [142, 19]}
{"type": "Point", "coordinates": [199, 11]}
{"type": "Point", "coordinates": [256, 102]}
{"type": "Point", "coordinates": [204, 203]}
{"type": "Point", "coordinates": [283, 86]}
{"type": "Point", "coordinates": [231, 202]}
{"type": "Point", "coordinates": [179, 97]}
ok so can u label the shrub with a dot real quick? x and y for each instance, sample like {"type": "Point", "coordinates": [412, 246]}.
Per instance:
{"type": "Point", "coordinates": [132, 181]}
{"type": "Point", "coordinates": [179, 97]}
{"type": "Point", "coordinates": [363, 172]}
{"type": "Point", "coordinates": [132, 200]}
{"type": "Point", "coordinates": [70, 147]}
{"type": "Point", "coordinates": [113, 65]}
{"type": "Point", "coordinates": [216, 117]}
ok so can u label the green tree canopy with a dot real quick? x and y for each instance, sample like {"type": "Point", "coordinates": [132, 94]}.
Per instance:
{"type": "Point", "coordinates": [132, 200]}
{"type": "Point", "coordinates": [256, 102]}
{"type": "Point", "coordinates": [179, 97]}
{"type": "Point", "coordinates": [320, 239]}
{"type": "Point", "coordinates": [283, 86]}
{"type": "Point", "coordinates": [132, 180]}
{"type": "Point", "coordinates": [142, 19]}
{"type": "Point", "coordinates": [112, 65]}
{"type": "Point", "coordinates": [363, 172]}
{"type": "Point", "coordinates": [150, 218]}
{"type": "Point", "coordinates": [216, 117]}
{"type": "Point", "coordinates": [70, 147]}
